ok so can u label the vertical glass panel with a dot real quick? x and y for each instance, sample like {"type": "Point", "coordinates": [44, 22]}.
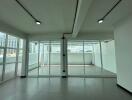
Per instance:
{"type": "Point", "coordinates": [2, 39]}
{"type": "Point", "coordinates": [10, 64]}
{"type": "Point", "coordinates": [2, 45]}
{"type": "Point", "coordinates": [44, 55]}
{"type": "Point", "coordinates": [75, 58]}
{"type": "Point", "coordinates": [33, 59]}
{"type": "Point", "coordinates": [1, 62]}
{"type": "Point", "coordinates": [12, 42]}
{"type": "Point", "coordinates": [88, 57]}
{"type": "Point", "coordinates": [55, 58]}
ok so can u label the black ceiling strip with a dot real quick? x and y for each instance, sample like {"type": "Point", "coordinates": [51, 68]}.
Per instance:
{"type": "Point", "coordinates": [111, 9]}
{"type": "Point", "coordinates": [26, 10]}
{"type": "Point", "coordinates": [75, 15]}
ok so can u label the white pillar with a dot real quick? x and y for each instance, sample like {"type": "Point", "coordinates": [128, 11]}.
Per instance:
{"type": "Point", "coordinates": [101, 59]}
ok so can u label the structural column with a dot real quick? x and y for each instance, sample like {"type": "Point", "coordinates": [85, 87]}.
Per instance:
{"type": "Point", "coordinates": [101, 59]}
{"type": "Point", "coordinates": [25, 57]}
{"type": "Point", "coordinates": [64, 68]}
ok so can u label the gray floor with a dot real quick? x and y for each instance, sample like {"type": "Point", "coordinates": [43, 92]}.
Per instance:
{"type": "Point", "coordinates": [73, 70]}
{"type": "Point", "coordinates": [62, 89]}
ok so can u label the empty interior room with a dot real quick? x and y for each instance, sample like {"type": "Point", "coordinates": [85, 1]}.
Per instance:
{"type": "Point", "coordinates": [65, 49]}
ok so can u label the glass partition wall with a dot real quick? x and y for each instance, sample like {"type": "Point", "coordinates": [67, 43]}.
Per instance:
{"type": "Point", "coordinates": [75, 58]}
{"type": "Point", "coordinates": [10, 59]}
{"type": "Point", "coordinates": [84, 59]}
{"type": "Point", "coordinates": [80, 57]}
{"type": "Point", "coordinates": [44, 58]}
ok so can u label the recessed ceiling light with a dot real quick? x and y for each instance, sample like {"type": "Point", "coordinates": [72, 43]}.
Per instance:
{"type": "Point", "coordinates": [100, 21]}
{"type": "Point", "coordinates": [38, 22]}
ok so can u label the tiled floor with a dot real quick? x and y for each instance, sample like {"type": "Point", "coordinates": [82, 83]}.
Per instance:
{"type": "Point", "coordinates": [63, 89]}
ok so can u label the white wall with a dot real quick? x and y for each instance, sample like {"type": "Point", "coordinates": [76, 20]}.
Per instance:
{"type": "Point", "coordinates": [123, 40]}
{"type": "Point", "coordinates": [108, 56]}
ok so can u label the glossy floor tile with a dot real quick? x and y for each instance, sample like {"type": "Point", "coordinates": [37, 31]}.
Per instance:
{"type": "Point", "coordinates": [63, 89]}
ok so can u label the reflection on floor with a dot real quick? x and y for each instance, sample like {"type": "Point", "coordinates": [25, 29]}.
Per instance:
{"type": "Point", "coordinates": [73, 70]}
{"type": "Point", "coordinates": [63, 89]}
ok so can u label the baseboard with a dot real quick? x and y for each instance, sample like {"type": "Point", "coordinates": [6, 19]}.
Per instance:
{"type": "Point", "coordinates": [23, 76]}
{"type": "Point", "coordinates": [124, 89]}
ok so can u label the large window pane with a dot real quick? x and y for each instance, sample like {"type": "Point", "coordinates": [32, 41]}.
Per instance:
{"type": "Point", "coordinates": [33, 59]}
{"type": "Point", "coordinates": [44, 60]}
{"type": "Point", "coordinates": [75, 58]}
{"type": "Point", "coordinates": [2, 39]}
{"type": "Point", "coordinates": [20, 43]}
{"type": "Point", "coordinates": [10, 64]}
{"type": "Point", "coordinates": [12, 42]}
{"type": "Point", "coordinates": [55, 68]}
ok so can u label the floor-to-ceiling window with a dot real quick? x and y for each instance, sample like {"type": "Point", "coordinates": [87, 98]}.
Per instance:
{"type": "Point", "coordinates": [84, 58]}
{"type": "Point", "coordinates": [9, 56]}
{"type": "Point", "coordinates": [75, 58]}
{"type": "Point", "coordinates": [55, 61]}
{"type": "Point", "coordinates": [33, 58]}
{"type": "Point", "coordinates": [10, 63]}
{"type": "Point", "coordinates": [2, 46]}
{"type": "Point", "coordinates": [44, 58]}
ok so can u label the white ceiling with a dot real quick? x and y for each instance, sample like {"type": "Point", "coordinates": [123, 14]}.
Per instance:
{"type": "Point", "coordinates": [99, 8]}
{"type": "Point", "coordinates": [57, 16]}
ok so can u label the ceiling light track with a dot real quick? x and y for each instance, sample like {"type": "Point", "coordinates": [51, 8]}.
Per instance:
{"type": "Point", "coordinates": [102, 19]}
{"type": "Point", "coordinates": [35, 19]}
{"type": "Point", "coordinates": [77, 3]}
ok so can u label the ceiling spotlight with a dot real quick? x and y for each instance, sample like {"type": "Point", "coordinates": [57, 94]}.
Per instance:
{"type": "Point", "coordinates": [100, 21]}
{"type": "Point", "coordinates": [38, 22]}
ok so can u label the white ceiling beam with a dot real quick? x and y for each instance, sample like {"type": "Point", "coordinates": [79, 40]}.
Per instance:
{"type": "Point", "coordinates": [82, 10]}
